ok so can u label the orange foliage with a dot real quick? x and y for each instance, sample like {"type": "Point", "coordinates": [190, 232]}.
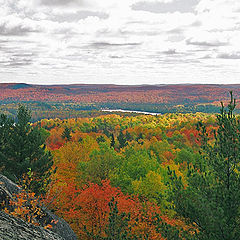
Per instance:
{"type": "Point", "coordinates": [27, 206]}
{"type": "Point", "coordinates": [89, 208]}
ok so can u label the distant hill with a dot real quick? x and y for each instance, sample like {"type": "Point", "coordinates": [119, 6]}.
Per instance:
{"type": "Point", "coordinates": [14, 85]}
{"type": "Point", "coordinates": [68, 100]}
{"type": "Point", "coordinates": [178, 94]}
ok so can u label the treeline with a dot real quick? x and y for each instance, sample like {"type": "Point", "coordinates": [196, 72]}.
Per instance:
{"type": "Point", "coordinates": [51, 110]}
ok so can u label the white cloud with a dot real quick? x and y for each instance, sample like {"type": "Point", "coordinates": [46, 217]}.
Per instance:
{"type": "Point", "coordinates": [12, 25]}
{"type": "Point", "coordinates": [161, 40]}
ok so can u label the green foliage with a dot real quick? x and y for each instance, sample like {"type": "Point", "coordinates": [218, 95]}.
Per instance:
{"type": "Point", "coordinates": [134, 166]}
{"type": "Point", "coordinates": [102, 162]}
{"type": "Point", "coordinates": [211, 200]}
{"type": "Point", "coordinates": [138, 163]}
{"type": "Point", "coordinates": [44, 133]}
{"type": "Point", "coordinates": [158, 148]}
{"type": "Point", "coordinates": [151, 187]}
{"type": "Point", "coordinates": [187, 155]}
{"type": "Point", "coordinates": [22, 148]}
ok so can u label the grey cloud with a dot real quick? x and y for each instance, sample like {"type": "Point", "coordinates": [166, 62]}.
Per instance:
{"type": "Point", "coordinates": [160, 7]}
{"type": "Point", "coordinates": [24, 55]}
{"type": "Point", "coordinates": [14, 55]}
{"type": "Point", "coordinates": [176, 31]}
{"type": "Point", "coordinates": [115, 56]}
{"type": "Point", "coordinates": [18, 30]}
{"type": "Point", "coordinates": [46, 64]}
{"type": "Point", "coordinates": [207, 56]}
{"type": "Point", "coordinates": [21, 63]}
{"type": "Point", "coordinates": [175, 37]}
{"type": "Point", "coordinates": [148, 32]}
{"type": "Point", "coordinates": [215, 43]}
{"type": "Point", "coordinates": [108, 44]}
{"type": "Point", "coordinates": [59, 2]}
{"type": "Point", "coordinates": [19, 48]}
{"type": "Point", "coordinates": [170, 52]}
{"type": "Point", "coordinates": [15, 62]}
{"type": "Point", "coordinates": [73, 17]}
{"type": "Point", "coordinates": [229, 55]}
{"type": "Point", "coordinates": [197, 24]}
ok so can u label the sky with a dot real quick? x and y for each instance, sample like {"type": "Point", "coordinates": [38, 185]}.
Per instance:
{"type": "Point", "coordinates": [120, 41]}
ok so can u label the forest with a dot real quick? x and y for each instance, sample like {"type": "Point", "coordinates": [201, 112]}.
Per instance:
{"type": "Point", "coordinates": [83, 100]}
{"type": "Point", "coordinates": [128, 176]}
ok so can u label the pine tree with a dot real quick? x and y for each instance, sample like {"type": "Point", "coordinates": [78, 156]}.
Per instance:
{"type": "Point", "coordinates": [67, 134]}
{"type": "Point", "coordinates": [22, 149]}
{"type": "Point", "coordinates": [5, 125]}
{"type": "Point", "coordinates": [211, 201]}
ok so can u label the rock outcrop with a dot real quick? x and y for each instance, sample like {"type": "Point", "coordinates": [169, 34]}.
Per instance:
{"type": "Point", "coordinates": [16, 229]}
{"type": "Point", "coordinates": [60, 228]}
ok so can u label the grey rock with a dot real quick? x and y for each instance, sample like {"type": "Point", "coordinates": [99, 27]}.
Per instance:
{"type": "Point", "coordinates": [12, 228]}
{"type": "Point", "coordinates": [61, 228]}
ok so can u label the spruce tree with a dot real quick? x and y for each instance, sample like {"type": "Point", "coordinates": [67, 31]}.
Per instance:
{"type": "Point", "coordinates": [22, 149]}
{"type": "Point", "coordinates": [211, 200]}
{"type": "Point", "coordinates": [122, 140]}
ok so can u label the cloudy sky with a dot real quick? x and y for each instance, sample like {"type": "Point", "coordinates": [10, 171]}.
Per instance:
{"type": "Point", "coordinates": [120, 41]}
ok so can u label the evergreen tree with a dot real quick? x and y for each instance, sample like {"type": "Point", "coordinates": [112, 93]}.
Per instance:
{"type": "Point", "coordinates": [5, 125]}
{"type": "Point", "coordinates": [211, 200]}
{"type": "Point", "coordinates": [112, 144]}
{"type": "Point", "coordinates": [106, 132]}
{"type": "Point", "coordinates": [122, 140]}
{"type": "Point", "coordinates": [67, 134]}
{"type": "Point", "coordinates": [101, 139]}
{"type": "Point", "coordinates": [140, 137]}
{"type": "Point", "coordinates": [94, 129]}
{"type": "Point", "coordinates": [118, 223]}
{"type": "Point", "coordinates": [128, 136]}
{"type": "Point", "coordinates": [22, 149]}
{"type": "Point", "coordinates": [170, 232]}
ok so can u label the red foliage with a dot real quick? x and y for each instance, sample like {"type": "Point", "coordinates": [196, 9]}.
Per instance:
{"type": "Point", "coordinates": [89, 207]}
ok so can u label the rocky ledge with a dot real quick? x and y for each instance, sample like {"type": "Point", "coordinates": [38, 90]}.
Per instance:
{"type": "Point", "coordinates": [16, 229]}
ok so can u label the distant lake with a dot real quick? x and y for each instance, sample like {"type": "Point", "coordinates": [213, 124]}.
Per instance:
{"type": "Point", "coordinates": [129, 111]}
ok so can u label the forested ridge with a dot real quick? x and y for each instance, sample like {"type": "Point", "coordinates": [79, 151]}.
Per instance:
{"type": "Point", "coordinates": [134, 176]}
{"type": "Point", "coordinates": [85, 100]}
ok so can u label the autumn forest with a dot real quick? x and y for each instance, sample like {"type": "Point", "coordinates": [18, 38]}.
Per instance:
{"type": "Point", "coordinates": [115, 176]}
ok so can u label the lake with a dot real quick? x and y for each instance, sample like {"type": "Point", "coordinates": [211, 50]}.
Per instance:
{"type": "Point", "coordinates": [130, 111]}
